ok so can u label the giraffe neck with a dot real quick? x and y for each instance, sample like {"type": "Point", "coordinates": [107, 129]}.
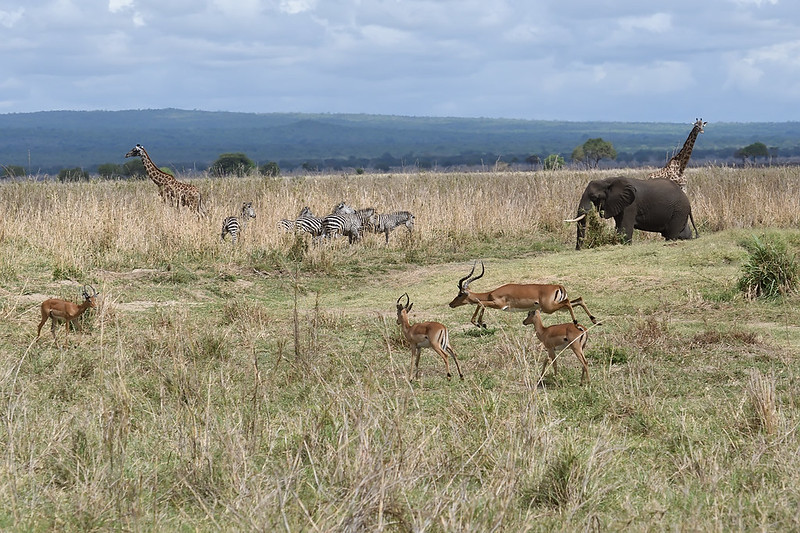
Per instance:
{"type": "Point", "coordinates": [153, 172]}
{"type": "Point", "coordinates": [682, 157]}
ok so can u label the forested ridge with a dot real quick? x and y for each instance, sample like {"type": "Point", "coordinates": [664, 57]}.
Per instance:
{"type": "Point", "coordinates": [189, 139]}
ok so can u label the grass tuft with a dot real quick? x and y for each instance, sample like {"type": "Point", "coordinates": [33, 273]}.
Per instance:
{"type": "Point", "coordinates": [771, 270]}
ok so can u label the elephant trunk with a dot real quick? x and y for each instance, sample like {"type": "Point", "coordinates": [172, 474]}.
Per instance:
{"type": "Point", "coordinates": [583, 210]}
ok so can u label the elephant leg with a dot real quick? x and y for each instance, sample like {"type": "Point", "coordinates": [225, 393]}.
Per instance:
{"type": "Point", "coordinates": [625, 223]}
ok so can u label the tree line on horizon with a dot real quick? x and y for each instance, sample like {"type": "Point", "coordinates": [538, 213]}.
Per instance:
{"type": "Point", "coordinates": [589, 154]}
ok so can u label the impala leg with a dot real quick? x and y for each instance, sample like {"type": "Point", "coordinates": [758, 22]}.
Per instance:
{"type": "Point", "coordinates": [39, 330]}
{"type": "Point", "coordinates": [443, 355]}
{"type": "Point", "coordinates": [53, 330]}
{"type": "Point", "coordinates": [415, 353]}
{"type": "Point", "coordinates": [579, 353]}
{"type": "Point", "coordinates": [455, 360]}
{"type": "Point", "coordinates": [579, 301]}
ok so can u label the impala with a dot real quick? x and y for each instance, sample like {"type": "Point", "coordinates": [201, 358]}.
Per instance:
{"type": "Point", "coordinates": [58, 310]}
{"type": "Point", "coordinates": [515, 297]}
{"type": "Point", "coordinates": [425, 335]}
{"type": "Point", "coordinates": [560, 337]}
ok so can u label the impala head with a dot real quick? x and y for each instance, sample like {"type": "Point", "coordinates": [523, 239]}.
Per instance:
{"type": "Point", "coordinates": [403, 307]}
{"type": "Point", "coordinates": [247, 210]}
{"type": "Point", "coordinates": [90, 296]}
{"type": "Point", "coordinates": [463, 287]}
{"type": "Point", "coordinates": [531, 318]}
{"type": "Point", "coordinates": [137, 151]}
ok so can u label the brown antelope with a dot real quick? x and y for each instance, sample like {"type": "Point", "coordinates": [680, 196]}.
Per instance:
{"type": "Point", "coordinates": [559, 337]}
{"type": "Point", "coordinates": [515, 297]}
{"type": "Point", "coordinates": [58, 310]}
{"type": "Point", "coordinates": [425, 335]}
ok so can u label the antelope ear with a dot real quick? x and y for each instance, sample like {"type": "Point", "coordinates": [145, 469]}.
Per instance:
{"type": "Point", "coordinates": [621, 194]}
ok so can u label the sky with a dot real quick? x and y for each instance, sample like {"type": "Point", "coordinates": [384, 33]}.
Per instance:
{"type": "Point", "coordinates": [575, 60]}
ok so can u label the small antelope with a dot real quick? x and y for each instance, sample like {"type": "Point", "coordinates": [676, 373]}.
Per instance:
{"type": "Point", "coordinates": [58, 310]}
{"type": "Point", "coordinates": [515, 297]}
{"type": "Point", "coordinates": [425, 335]}
{"type": "Point", "coordinates": [559, 337]}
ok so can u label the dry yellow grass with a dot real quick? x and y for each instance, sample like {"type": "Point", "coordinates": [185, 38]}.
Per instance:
{"type": "Point", "coordinates": [221, 388]}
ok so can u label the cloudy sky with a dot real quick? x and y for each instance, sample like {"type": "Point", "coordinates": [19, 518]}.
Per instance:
{"type": "Point", "coordinates": [627, 60]}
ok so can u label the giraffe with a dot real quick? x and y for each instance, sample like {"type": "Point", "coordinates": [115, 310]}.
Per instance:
{"type": "Point", "coordinates": [169, 188]}
{"type": "Point", "coordinates": [674, 168]}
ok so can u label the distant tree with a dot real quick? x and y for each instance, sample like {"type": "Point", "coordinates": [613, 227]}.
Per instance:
{"type": "Point", "coordinates": [270, 170]}
{"type": "Point", "coordinates": [757, 149]}
{"type": "Point", "coordinates": [73, 174]}
{"type": "Point", "coordinates": [553, 162]}
{"type": "Point", "coordinates": [533, 160]}
{"type": "Point", "coordinates": [109, 170]}
{"type": "Point", "coordinates": [773, 152]}
{"type": "Point", "coordinates": [134, 169]}
{"type": "Point", "coordinates": [232, 164]}
{"type": "Point", "coordinates": [596, 149]}
{"type": "Point", "coordinates": [12, 171]}
{"type": "Point", "coordinates": [579, 156]}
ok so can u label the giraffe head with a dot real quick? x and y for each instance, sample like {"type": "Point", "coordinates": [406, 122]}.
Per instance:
{"type": "Point", "coordinates": [699, 125]}
{"type": "Point", "coordinates": [137, 151]}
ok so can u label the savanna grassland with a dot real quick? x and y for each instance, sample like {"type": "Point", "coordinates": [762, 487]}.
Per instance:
{"type": "Point", "coordinates": [264, 387]}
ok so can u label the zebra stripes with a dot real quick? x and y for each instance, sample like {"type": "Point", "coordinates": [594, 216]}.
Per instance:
{"type": "Point", "coordinates": [308, 223]}
{"type": "Point", "coordinates": [386, 223]}
{"type": "Point", "coordinates": [234, 225]}
{"type": "Point", "coordinates": [349, 224]}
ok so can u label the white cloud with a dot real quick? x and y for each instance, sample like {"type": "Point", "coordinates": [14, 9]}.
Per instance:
{"type": "Point", "coordinates": [293, 7]}
{"type": "Point", "coordinates": [115, 6]}
{"type": "Point", "coordinates": [656, 23]}
{"type": "Point", "coordinates": [757, 3]}
{"type": "Point", "coordinates": [9, 18]}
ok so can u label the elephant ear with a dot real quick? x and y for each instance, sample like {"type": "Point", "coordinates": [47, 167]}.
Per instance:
{"type": "Point", "coordinates": [621, 194]}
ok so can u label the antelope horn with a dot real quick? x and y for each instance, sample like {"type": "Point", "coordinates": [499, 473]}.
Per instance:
{"type": "Point", "coordinates": [461, 281]}
{"type": "Point", "coordinates": [399, 305]}
{"type": "Point", "coordinates": [576, 219]}
{"type": "Point", "coordinates": [483, 270]}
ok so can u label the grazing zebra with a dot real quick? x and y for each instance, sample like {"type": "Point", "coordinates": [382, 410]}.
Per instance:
{"type": "Point", "coordinates": [388, 222]}
{"type": "Point", "coordinates": [349, 224]}
{"type": "Point", "coordinates": [234, 225]}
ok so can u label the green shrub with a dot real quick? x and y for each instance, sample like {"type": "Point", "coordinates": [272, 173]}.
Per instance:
{"type": "Point", "coordinates": [770, 271]}
{"type": "Point", "coordinates": [598, 233]}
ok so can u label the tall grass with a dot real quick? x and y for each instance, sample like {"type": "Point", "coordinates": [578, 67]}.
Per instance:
{"type": "Point", "coordinates": [262, 386]}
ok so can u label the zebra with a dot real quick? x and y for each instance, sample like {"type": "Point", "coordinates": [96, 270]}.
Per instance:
{"type": "Point", "coordinates": [288, 224]}
{"type": "Point", "coordinates": [388, 222]}
{"type": "Point", "coordinates": [349, 224]}
{"type": "Point", "coordinates": [315, 225]}
{"type": "Point", "coordinates": [234, 225]}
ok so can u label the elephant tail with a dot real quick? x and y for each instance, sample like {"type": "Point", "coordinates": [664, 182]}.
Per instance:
{"type": "Point", "coordinates": [696, 233]}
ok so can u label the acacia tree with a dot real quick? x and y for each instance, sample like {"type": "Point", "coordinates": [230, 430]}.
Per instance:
{"type": "Point", "coordinates": [235, 164]}
{"type": "Point", "coordinates": [579, 155]}
{"type": "Point", "coordinates": [596, 149]}
{"type": "Point", "coordinates": [757, 149]}
{"type": "Point", "coordinates": [553, 162]}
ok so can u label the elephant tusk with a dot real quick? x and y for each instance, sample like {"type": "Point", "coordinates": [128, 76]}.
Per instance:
{"type": "Point", "coordinates": [576, 219]}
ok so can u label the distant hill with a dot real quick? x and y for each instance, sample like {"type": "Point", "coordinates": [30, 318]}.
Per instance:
{"type": "Point", "coordinates": [45, 142]}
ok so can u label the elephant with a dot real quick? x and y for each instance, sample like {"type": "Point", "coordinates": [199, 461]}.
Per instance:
{"type": "Point", "coordinates": [657, 205]}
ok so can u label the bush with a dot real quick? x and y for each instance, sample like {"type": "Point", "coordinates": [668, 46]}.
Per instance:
{"type": "Point", "coordinates": [770, 271]}
{"type": "Point", "coordinates": [598, 233]}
